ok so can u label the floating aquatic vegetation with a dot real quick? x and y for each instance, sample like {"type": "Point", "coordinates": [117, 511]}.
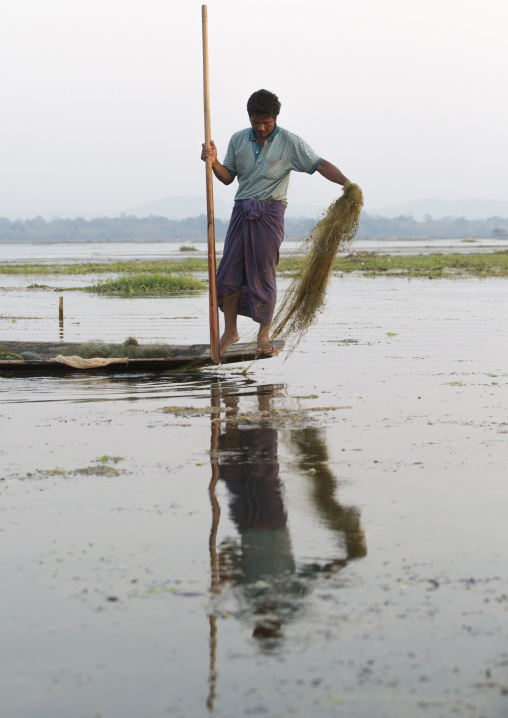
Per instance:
{"type": "Point", "coordinates": [56, 471]}
{"type": "Point", "coordinates": [137, 283]}
{"type": "Point", "coordinates": [306, 294]}
{"type": "Point", "coordinates": [371, 264]}
{"type": "Point", "coordinates": [9, 355]}
{"type": "Point", "coordinates": [194, 410]}
{"type": "Point", "coordinates": [274, 416]}
{"type": "Point", "coordinates": [99, 470]}
{"type": "Point", "coordinates": [280, 418]}
{"type": "Point", "coordinates": [157, 266]}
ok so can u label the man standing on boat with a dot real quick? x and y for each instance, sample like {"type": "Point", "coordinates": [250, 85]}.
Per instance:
{"type": "Point", "coordinates": [262, 158]}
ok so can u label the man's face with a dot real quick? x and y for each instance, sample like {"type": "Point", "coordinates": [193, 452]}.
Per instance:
{"type": "Point", "coordinates": [263, 125]}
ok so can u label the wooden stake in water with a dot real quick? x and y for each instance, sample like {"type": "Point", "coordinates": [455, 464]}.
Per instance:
{"type": "Point", "coordinates": [60, 319]}
{"type": "Point", "coordinates": [212, 270]}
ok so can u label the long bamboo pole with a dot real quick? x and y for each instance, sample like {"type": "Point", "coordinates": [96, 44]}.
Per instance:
{"type": "Point", "coordinates": [212, 271]}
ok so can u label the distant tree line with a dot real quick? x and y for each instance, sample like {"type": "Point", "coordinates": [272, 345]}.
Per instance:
{"type": "Point", "coordinates": [106, 229]}
{"type": "Point", "coordinates": [152, 229]}
{"type": "Point", "coordinates": [446, 227]}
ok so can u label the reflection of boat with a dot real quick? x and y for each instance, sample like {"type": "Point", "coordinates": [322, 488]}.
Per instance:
{"type": "Point", "coordinates": [56, 357]}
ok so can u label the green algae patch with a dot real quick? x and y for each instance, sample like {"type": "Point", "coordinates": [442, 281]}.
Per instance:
{"type": "Point", "coordinates": [56, 471]}
{"type": "Point", "coordinates": [100, 470]}
{"type": "Point", "coordinates": [277, 418]}
{"type": "Point", "coordinates": [193, 410]}
{"type": "Point", "coordinates": [274, 416]}
{"type": "Point", "coordinates": [369, 263]}
{"type": "Point", "coordinates": [157, 590]}
{"type": "Point", "coordinates": [8, 355]}
{"type": "Point", "coordinates": [142, 283]}
{"type": "Point", "coordinates": [432, 266]}
{"type": "Point", "coordinates": [163, 266]}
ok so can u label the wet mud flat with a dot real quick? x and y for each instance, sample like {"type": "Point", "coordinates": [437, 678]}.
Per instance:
{"type": "Point", "coordinates": [318, 536]}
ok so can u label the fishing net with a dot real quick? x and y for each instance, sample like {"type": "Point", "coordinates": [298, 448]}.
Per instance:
{"type": "Point", "coordinates": [93, 349]}
{"type": "Point", "coordinates": [130, 349]}
{"type": "Point", "coordinates": [306, 293]}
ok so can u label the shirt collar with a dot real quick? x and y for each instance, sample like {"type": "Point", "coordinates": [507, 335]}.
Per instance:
{"type": "Point", "coordinates": [252, 136]}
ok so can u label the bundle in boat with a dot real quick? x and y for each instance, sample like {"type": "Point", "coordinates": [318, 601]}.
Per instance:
{"type": "Point", "coordinates": [306, 293]}
{"type": "Point", "coordinates": [130, 349]}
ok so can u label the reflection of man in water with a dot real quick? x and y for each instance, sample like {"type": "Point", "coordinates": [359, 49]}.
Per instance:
{"type": "Point", "coordinates": [265, 565]}
{"type": "Point", "coordinates": [251, 474]}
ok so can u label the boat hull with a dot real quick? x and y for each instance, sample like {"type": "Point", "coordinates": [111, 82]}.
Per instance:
{"type": "Point", "coordinates": [181, 357]}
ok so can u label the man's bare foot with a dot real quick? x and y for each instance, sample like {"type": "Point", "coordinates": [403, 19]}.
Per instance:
{"type": "Point", "coordinates": [267, 348]}
{"type": "Point", "coordinates": [264, 346]}
{"type": "Point", "coordinates": [227, 339]}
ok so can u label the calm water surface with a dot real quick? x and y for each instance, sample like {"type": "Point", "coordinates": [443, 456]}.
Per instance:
{"type": "Point", "coordinates": [126, 251]}
{"type": "Point", "coordinates": [319, 535]}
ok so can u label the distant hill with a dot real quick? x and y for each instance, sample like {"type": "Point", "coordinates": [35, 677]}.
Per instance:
{"type": "Point", "coordinates": [439, 208]}
{"type": "Point", "coordinates": [180, 207]}
{"type": "Point", "coordinates": [186, 206]}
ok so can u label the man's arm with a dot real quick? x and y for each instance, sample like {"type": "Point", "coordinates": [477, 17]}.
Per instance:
{"type": "Point", "coordinates": [222, 174]}
{"type": "Point", "coordinates": [332, 173]}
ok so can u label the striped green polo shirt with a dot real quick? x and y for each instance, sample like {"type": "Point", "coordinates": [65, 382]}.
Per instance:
{"type": "Point", "coordinates": [263, 173]}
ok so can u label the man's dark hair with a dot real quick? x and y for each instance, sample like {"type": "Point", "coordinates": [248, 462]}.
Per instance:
{"type": "Point", "coordinates": [263, 102]}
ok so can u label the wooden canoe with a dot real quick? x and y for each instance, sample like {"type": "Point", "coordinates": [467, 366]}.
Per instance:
{"type": "Point", "coordinates": [181, 357]}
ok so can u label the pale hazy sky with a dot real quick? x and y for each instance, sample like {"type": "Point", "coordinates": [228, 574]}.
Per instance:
{"type": "Point", "coordinates": [102, 104]}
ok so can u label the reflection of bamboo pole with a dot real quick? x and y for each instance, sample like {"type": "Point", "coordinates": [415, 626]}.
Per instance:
{"type": "Point", "coordinates": [214, 460]}
{"type": "Point", "coordinates": [212, 543]}
{"type": "Point", "coordinates": [212, 677]}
